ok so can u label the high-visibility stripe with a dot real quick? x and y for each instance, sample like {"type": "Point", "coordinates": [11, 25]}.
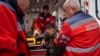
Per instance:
{"type": "Point", "coordinates": [58, 35]}
{"type": "Point", "coordinates": [83, 50]}
{"type": "Point", "coordinates": [63, 41]}
{"type": "Point", "coordinates": [42, 24]}
{"type": "Point", "coordinates": [81, 22]}
{"type": "Point", "coordinates": [65, 37]}
{"type": "Point", "coordinates": [62, 36]}
{"type": "Point", "coordinates": [80, 16]}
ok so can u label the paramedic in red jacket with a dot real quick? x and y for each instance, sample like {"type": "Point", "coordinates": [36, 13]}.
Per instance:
{"type": "Point", "coordinates": [12, 36]}
{"type": "Point", "coordinates": [44, 19]}
{"type": "Point", "coordinates": [80, 32]}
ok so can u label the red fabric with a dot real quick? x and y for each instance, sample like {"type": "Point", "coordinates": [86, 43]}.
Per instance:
{"type": "Point", "coordinates": [42, 23]}
{"type": "Point", "coordinates": [94, 53]}
{"type": "Point", "coordinates": [80, 37]}
{"type": "Point", "coordinates": [23, 46]}
{"type": "Point", "coordinates": [38, 53]}
{"type": "Point", "coordinates": [65, 30]}
{"type": "Point", "coordinates": [9, 34]}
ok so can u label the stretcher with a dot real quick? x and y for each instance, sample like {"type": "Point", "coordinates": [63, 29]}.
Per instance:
{"type": "Point", "coordinates": [40, 52]}
{"type": "Point", "coordinates": [37, 50]}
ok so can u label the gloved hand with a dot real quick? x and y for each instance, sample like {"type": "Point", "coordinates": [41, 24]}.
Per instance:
{"type": "Point", "coordinates": [36, 33]}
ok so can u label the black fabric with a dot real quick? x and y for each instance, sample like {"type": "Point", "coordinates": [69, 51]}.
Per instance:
{"type": "Point", "coordinates": [0, 50]}
{"type": "Point", "coordinates": [53, 49]}
{"type": "Point", "coordinates": [59, 50]}
{"type": "Point", "coordinates": [21, 54]}
{"type": "Point", "coordinates": [45, 7]}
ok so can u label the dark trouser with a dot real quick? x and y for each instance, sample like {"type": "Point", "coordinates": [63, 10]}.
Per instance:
{"type": "Point", "coordinates": [59, 50]}
{"type": "Point", "coordinates": [53, 50]}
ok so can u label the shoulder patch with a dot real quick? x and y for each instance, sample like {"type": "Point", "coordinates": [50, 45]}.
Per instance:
{"type": "Point", "coordinates": [41, 17]}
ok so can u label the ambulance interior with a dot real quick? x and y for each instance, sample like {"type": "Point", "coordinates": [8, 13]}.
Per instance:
{"type": "Point", "coordinates": [32, 13]}
{"type": "Point", "coordinates": [35, 9]}
{"type": "Point", "coordinates": [55, 8]}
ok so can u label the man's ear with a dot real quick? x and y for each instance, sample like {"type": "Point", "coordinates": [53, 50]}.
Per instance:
{"type": "Point", "coordinates": [73, 10]}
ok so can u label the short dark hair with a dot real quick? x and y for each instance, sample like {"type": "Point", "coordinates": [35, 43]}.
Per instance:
{"type": "Point", "coordinates": [49, 26]}
{"type": "Point", "coordinates": [45, 7]}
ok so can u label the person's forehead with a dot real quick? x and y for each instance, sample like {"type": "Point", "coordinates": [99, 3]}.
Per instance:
{"type": "Point", "coordinates": [65, 6]}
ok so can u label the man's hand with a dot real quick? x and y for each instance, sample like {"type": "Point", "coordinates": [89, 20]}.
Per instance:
{"type": "Point", "coordinates": [43, 42]}
{"type": "Point", "coordinates": [36, 33]}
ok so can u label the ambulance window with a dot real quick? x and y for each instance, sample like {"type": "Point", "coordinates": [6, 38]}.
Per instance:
{"type": "Point", "coordinates": [98, 8]}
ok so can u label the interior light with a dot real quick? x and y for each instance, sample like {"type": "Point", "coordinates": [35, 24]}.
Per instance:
{"type": "Point", "coordinates": [38, 1]}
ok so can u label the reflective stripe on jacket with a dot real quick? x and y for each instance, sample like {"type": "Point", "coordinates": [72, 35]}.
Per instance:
{"type": "Point", "coordinates": [10, 32]}
{"type": "Point", "coordinates": [80, 34]}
